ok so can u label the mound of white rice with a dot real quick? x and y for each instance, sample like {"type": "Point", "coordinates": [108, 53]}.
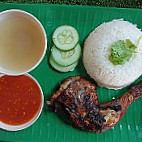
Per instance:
{"type": "Point", "coordinates": [97, 50]}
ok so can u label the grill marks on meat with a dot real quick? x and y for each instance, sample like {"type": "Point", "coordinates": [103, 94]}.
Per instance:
{"type": "Point", "coordinates": [74, 94]}
{"type": "Point", "coordinates": [77, 99]}
{"type": "Point", "coordinates": [76, 87]}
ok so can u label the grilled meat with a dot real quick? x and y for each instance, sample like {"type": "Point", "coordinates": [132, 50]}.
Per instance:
{"type": "Point", "coordinates": [113, 111]}
{"type": "Point", "coordinates": [76, 87]}
{"type": "Point", "coordinates": [77, 99]}
{"type": "Point", "coordinates": [71, 98]}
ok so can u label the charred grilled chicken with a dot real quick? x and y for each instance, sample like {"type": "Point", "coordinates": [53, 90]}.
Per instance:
{"type": "Point", "coordinates": [77, 99]}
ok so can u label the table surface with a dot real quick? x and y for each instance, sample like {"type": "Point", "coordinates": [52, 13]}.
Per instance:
{"type": "Point", "coordinates": [106, 3]}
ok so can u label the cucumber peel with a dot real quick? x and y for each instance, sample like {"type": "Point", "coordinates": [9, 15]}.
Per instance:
{"type": "Point", "coordinates": [59, 68]}
{"type": "Point", "coordinates": [65, 37]}
{"type": "Point", "coordinates": [66, 58]}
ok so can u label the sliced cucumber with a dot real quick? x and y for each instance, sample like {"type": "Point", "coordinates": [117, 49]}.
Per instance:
{"type": "Point", "coordinates": [66, 58]}
{"type": "Point", "coordinates": [59, 68]}
{"type": "Point", "coordinates": [65, 37]}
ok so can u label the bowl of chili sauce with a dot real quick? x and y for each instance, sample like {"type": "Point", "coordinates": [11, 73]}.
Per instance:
{"type": "Point", "coordinates": [21, 101]}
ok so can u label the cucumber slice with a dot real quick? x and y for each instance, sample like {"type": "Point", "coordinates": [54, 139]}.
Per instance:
{"type": "Point", "coordinates": [66, 58]}
{"type": "Point", "coordinates": [59, 68]}
{"type": "Point", "coordinates": [65, 37]}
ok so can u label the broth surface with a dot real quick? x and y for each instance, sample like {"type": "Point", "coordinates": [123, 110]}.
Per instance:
{"type": "Point", "coordinates": [21, 42]}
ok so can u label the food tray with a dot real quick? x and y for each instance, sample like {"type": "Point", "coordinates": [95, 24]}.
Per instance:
{"type": "Point", "coordinates": [49, 127]}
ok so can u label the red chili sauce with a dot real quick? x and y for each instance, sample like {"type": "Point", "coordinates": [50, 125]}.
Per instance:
{"type": "Point", "coordinates": [20, 99]}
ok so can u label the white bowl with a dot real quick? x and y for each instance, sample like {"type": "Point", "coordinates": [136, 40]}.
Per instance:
{"type": "Point", "coordinates": [29, 123]}
{"type": "Point", "coordinates": [40, 40]}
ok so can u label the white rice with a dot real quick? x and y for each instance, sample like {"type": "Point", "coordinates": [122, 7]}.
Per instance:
{"type": "Point", "coordinates": [97, 50]}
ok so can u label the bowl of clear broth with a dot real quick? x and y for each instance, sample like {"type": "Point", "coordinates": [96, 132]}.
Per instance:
{"type": "Point", "coordinates": [23, 42]}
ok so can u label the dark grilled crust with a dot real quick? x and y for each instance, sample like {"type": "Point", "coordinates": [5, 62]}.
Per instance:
{"type": "Point", "coordinates": [124, 102]}
{"type": "Point", "coordinates": [72, 98]}
{"type": "Point", "coordinates": [77, 99]}
{"type": "Point", "coordinates": [70, 81]}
